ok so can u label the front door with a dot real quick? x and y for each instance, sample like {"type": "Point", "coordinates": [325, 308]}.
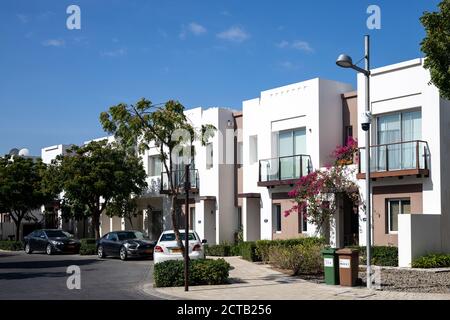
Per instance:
{"type": "Point", "coordinates": [351, 222]}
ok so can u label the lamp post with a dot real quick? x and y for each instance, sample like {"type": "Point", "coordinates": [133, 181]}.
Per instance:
{"type": "Point", "coordinates": [187, 187]}
{"type": "Point", "coordinates": [345, 61]}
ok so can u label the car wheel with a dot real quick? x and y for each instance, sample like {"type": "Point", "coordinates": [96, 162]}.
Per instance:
{"type": "Point", "coordinates": [100, 252]}
{"type": "Point", "coordinates": [123, 254]}
{"type": "Point", "coordinates": [49, 249]}
{"type": "Point", "coordinates": [28, 249]}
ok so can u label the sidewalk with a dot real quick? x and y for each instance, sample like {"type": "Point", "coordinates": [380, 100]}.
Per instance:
{"type": "Point", "coordinates": [259, 282]}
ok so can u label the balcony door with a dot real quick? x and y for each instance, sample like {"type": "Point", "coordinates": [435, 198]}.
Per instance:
{"type": "Point", "coordinates": [394, 133]}
{"type": "Point", "coordinates": [291, 145]}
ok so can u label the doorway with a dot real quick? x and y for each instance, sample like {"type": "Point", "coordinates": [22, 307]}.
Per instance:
{"type": "Point", "coordinates": [351, 222]}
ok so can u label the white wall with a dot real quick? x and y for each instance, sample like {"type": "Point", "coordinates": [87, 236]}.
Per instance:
{"type": "Point", "coordinates": [418, 235]}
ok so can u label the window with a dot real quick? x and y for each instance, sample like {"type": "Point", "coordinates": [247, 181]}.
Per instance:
{"type": "Point", "coordinates": [302, 220]}
{"type": "Point", "coordinates": [171, 236]}
{"type": "Point", "coordinates": [192, 218]}
{"type": "Point", "coordinates": [348, 133]}
{"type": "Point", "coordinates": [239, 217]}
{"type": "Point", "coordinates": [209, 156]}
{"type": "Point", "coordinates": [396, 207]}
{"type": "Point", "coordinates": [290, 144]}
{"type": "Point", "coordinates": [240, 154]}
{"type": "Point", "coordinates": [393, 128]}
{"type": "Point", "coordinates": [277, 217]}
{"type": "Point", "coordinates": [253, 144]}
{"type": "Point", "coordinates": [154, 166]}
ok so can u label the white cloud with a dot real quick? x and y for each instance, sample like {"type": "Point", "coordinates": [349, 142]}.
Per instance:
{"type": "Point", "coordinates": [234, 34]}
{"type": "Point", "coordinates": [114, 53]}
{"type": "Point", "coordinates": [296, 44]}
{"type": "Point", "coordinates": [54, 43]}
{"type": "Point", "coordinates": [302, 46]}
{"type": "Point", "coordinates": [288, 65]}
{"type": "Point", "coordinates": [23, 18]}
{"type": "Point", "coordinates": [283, 44]}
{"type": "Point", "coordinates": [193, 28]}
{"type": "Point", "coordinates": [196, 29]}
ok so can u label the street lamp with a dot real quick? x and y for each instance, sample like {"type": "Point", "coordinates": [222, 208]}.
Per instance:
{"type": "Point", "coordinates": [345, 61]}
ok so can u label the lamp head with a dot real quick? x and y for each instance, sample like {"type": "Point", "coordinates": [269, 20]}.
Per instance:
{"type": "Point", "coordinates": [344, 61]}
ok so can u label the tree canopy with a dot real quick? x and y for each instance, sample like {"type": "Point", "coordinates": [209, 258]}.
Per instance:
{"type": "Point", "coordinates": [97, 176]}
{"type": "Point", "coordinates": [436, 47]}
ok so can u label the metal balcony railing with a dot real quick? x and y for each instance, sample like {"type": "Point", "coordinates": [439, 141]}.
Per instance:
{"type": "Point", "coordinates": [284, 168]}
{"type": "Point", "coordinates": [408, 157]}
{"type": "Point", "coordinates": [178, 178]}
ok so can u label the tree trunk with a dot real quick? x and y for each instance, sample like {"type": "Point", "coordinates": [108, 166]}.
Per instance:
{"type": "Point", "coordinates": [96, 224]}
{"type": "Point", "coordinates": [175, 224]}
{"type": "Point", "coordinates": [18, 223]}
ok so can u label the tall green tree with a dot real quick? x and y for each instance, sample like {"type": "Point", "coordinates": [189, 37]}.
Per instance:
{"type": "Point", "coordinates": [22, 188]}
{"type": "Point", "coordinates": [95, 176]}
{"type": "Point", "coordinates": [165, 126]}
{"type": "Point", "coordinates": [436, 46]}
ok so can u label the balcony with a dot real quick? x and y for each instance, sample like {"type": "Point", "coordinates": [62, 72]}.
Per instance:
{"type": "Point", "coordinates": [283, 170]}
{"type": "Point", "coordinates": [411, 158]}
{"type": "Point", "coordinates": [178, 179]}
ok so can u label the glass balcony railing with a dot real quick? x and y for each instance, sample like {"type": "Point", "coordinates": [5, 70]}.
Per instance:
{"type": "Point", "coordinates": [400, 156]}
{"type": "Point", "coordinates": [284, 168]}
{"type": "Point", "coordinates": [178, 178]}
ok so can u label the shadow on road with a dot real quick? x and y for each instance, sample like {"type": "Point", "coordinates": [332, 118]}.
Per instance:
{"type": "Point", "coordinates": [46, 264]}
{"type": "Point", "coordinates": [28, 275]}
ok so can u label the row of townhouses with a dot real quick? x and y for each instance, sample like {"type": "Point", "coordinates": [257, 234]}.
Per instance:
{"type": "Point", "coordinates": [242, 177]}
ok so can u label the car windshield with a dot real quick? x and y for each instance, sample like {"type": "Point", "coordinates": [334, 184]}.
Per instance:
{"type": "Point", "coordinates": [56, 234]}
{"type": "Point", "coordinates": [126, 235]}
{"type": "Point", "coordinates": [171, 236]}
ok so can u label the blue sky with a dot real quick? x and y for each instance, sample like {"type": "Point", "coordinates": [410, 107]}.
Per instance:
{"type": "Point", "coordinates": [54, 82]}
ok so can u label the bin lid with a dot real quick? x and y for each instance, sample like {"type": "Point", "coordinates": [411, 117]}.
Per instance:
{"type": "Point", "coordinates": [347, 251]}
{"type": "Point", "coordinates": [329, 251]}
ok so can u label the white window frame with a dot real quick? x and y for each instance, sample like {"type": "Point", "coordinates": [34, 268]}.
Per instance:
{"type": "Point", "coordinates": [400, 200]}
{"type": "Point", "coordinates": [275, 218]}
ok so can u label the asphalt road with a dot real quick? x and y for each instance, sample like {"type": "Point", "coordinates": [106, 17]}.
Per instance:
{"type": "Point", "coordinates": [39, 276]}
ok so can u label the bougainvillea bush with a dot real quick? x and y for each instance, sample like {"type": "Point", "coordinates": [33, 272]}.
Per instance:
{"type": "Point", "coordinates": [316, 194]}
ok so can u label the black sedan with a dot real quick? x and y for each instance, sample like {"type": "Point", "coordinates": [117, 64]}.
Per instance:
{"type": "Point", "coordinates": [51, 241]}
{"type": "Point", "coordinates": [125, 244]}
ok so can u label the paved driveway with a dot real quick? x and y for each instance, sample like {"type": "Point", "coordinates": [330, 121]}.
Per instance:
{"type": "Point", "coordinates": [39, 276]}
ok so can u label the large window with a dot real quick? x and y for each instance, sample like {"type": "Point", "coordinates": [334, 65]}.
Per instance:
{"type": "Point", "coordinates": [277, 217]}
{"type": "Point", "coordinates": [154, 166]}
{"type": "Point", "coordinates": [393, 128]}
{"type": "Point", "coordinates": [395, 207]}
{"type": "Point", "coordinates": [253, 144]}
{"type": "Point", "coordinates": [291, 144]}
{"type": "Point", "coordinates": [209, 156]}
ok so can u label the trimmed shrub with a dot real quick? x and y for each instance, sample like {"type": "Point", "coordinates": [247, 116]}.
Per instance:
{"type": "Point", "coordinates": [300, 259]}
{"type": "Point", "coordinates": [220, 250]}
{"type": "Point", "coordinates": [432, 261]}
{"type": "Point", "coordinates": [386, 256]}
{"type": "Point", "coordinates": [236, 250]}
{"type": "Point", "coordinates": [88, 247]}
{"type": "Point", "coordinates": [201, 272]}
{"type": "Point", "coordinates": [263, 247]}
{"type": "Point", "coordinates": [248, 251]}
{"type": "Point", "coordinates": [11, 245]}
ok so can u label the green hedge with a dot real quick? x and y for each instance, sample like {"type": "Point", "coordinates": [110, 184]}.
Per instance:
{"type": "Point", "coordinates": [11, 245]}
{"type": "Point", "coordinates": [248, 251]}
{"type": "Point", "coordinates": [432, 261]}
{"type": "Point", "coordinates": [88, 247]}
{"type": "Point", "coordinates": [263, 247]}
{"type": "Point", "coordinates": [220, 250]}
{"type": "Point", "coordinates": [201, 272]}
{"type": "Point", "coordinates": [381, 255]}
{"type": "Point", "coordinates": [300, 259]}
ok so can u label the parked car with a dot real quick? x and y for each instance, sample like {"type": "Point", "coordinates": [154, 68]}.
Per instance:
{"type": "Point", "coordinates": [167, 249]}
{"type": "Point", "coordinates": [125, 244]}
{"type": "Point", "coordinates": [51, 241]}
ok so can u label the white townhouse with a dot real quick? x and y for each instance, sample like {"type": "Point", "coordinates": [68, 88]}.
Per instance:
{"type": "Point", "coordinates": [288, 132]}
{"type": "Point", "coordinates": [212, 209]}
{"type": "Point", "coordinates": [410, 156]}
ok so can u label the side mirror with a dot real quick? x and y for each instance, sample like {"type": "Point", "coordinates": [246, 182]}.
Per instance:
{"type": "Point", "coordinates": [204, 241]}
